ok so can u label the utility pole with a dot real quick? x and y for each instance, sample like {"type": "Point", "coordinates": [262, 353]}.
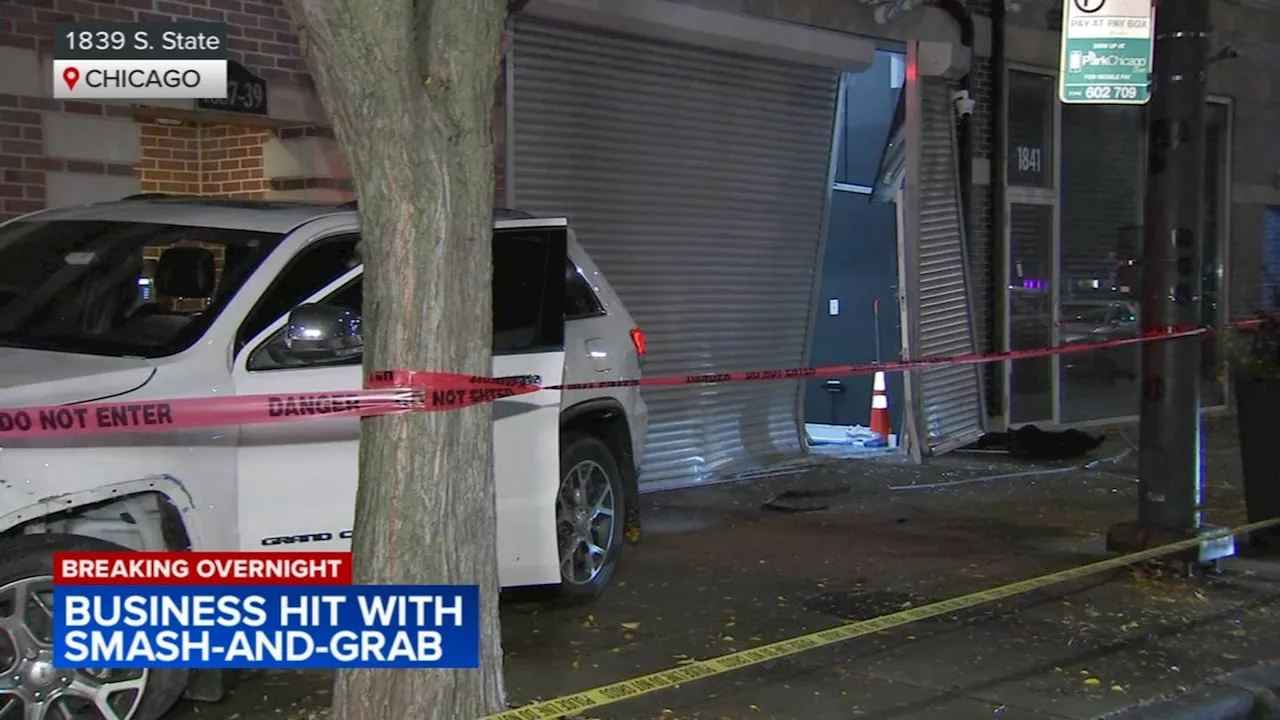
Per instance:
{"type": "Point", "coordinates": [1170, 469]}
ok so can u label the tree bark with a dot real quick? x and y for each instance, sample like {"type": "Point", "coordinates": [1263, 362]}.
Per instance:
{"type": "Point", "coordinates": [409, 87]}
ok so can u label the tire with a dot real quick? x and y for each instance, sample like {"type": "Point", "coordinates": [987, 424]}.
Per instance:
{"type": "Point", "coordinates": [585, 456]}
{"type": "Point", "coordinates": [30, 558]}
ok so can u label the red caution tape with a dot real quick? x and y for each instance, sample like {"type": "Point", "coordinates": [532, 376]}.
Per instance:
{"type": "Point", "coordinates": [401, 391]}
{"type": "Point", "coordinates": [412, 392]}
{"type": "Point", "coordinates": [827, 371]}
{"type": "Point", "coordinates": [446, 391]}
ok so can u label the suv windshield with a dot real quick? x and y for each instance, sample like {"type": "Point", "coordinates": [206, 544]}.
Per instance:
{"type": "Point", "coordinates": [119, 288]}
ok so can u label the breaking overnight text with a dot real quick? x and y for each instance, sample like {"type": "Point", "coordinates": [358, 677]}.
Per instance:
{"type": "Point", "coordinates": [250, 627]}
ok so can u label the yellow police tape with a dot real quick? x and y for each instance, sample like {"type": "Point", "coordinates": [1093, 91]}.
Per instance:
{"type": "Point", "coordinates": [698, 669]}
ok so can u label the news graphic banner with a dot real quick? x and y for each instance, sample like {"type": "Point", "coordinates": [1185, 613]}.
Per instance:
{"type": "Point", "coordinates": [402, 391]}
{"type": "Point", "coordinates": [140, 61]}
{"type": "Point", "coordinates": [121, 610]}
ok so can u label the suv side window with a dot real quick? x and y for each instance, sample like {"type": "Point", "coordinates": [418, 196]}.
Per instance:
{"type": "Point", "coordinates": [316, 266]}
{"type": "Point", "coordinates": [528, 290]}
{"type": "Point", "coordinates": [527, 282]}
{"type": "Point", "coordinates": [270, 355]}
{"type": "Point", "coordinates": [580, 301]}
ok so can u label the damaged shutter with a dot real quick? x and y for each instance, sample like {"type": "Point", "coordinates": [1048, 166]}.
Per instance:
{"type": "Point", "coordinates": [947, 401]}
{"type": "Point", "coordinates": [697, 180]}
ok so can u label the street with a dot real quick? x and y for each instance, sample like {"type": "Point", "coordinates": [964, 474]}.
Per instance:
{"type": "Point", "coordinates": [717, 573]}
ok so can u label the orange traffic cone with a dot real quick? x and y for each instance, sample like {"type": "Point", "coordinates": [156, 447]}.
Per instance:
{"type": "Point", "coordinates": [879, 413]}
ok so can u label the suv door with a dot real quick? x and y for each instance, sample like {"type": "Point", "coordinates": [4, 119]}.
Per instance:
{"type": "Point", "coordinates": [297, 481]}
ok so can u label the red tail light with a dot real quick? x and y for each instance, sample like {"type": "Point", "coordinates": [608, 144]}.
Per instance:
{"type": "Point", "coordinates": [637, 339]}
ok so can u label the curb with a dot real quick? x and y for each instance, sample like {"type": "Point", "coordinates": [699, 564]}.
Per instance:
{"type": "Point", "coordinates": [1248, 694]}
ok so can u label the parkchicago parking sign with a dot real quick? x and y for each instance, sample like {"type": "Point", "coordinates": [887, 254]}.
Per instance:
{"type": "Point", "coordinates": [1107, 47]}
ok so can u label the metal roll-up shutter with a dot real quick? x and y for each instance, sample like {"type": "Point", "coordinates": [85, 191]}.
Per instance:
{"type": "Point", "coordinates": [951, 397]}
{"type": "Point", "coordinates": [697, 180]}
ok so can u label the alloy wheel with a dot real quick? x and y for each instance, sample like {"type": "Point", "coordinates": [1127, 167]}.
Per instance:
{"type": "Point", "coordinates": [31, 688]}
{"type": "Point", "coordinates": [584, 522]}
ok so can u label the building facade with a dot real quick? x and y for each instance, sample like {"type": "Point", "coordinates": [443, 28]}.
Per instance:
{"type": "Point", "coordinates": [691, 144]}
{"type": "Point", "coordinates": [1059, 234]}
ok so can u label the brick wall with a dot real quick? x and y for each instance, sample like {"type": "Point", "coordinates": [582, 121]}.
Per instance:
{"type": "Point", "coordinates": [334, 187]}
{"type": "Point", "coordinates": [170, 158]}
{"type": "Point", "coordinates": [982, 266]}
{"type": "Point", "coordinates": [260, 37]}
{"type": "Point", "coordinates": [22, 189]}
{"type": "Point", "coordinates": [231, 161]}
{"type": "Point", "coordinates": [23, 159]}
{"type": "Point", "coordinates": [983, 244]}
{"type": "Point", "coordinates": [189, 158]}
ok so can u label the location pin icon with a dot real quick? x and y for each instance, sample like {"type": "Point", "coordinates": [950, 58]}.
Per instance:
{"type": "Point", "coordinates": [70, 76]}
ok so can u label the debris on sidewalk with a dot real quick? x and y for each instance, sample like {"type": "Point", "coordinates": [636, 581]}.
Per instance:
{"type": "Point", "coordinates": [732, 577]}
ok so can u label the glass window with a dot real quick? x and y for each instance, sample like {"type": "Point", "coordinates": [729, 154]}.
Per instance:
{"type": "Point", "coordinates": [528, 278]}
{"type": "Point", "coordinates": [1103, 180]}
{"type": "Point", "coordinates": [1216, 136]}
{"type": "Point", "coordinates": [119, 288]}
{"type": "Point", "coordinates": [1032, 99]}
{"type": "Point", "coordinates": [1103, 176]}
{"type": "Point", "coordinates": [528, 281]}
{"type": "Point", "coordinates": [580, 300]}
{"type": "Point", "coordinates": [317, 265]}
{"type": "Point", "coordinates": [1271, 258]}
{"type": "Point", "coordinates": [865, 117]}
{"type": "Point", "coordinates": [272, 355]}
{"type": "Point", "coordinates": [1030, 311]}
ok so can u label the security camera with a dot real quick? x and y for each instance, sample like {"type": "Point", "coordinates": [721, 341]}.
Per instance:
{"type": "Point", "coordinates": [964, 103]}
{"type": "Point", "coordinates": [888, 11]}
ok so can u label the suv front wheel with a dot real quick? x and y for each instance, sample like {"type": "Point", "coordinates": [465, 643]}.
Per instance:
{"type": "Point", "coordinates": [31, 688]}
{"type": "Point", "coordinates": [590, 517]}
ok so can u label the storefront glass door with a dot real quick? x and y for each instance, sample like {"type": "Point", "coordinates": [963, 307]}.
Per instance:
{"type": "Point", "coordinates": [1031, 313]}
{"type": "Point", "coordinates": [1030, 234]}
{"type": "Point", "coordinates": [1073, 238]}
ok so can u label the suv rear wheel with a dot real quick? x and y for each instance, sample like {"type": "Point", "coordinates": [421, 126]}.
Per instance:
{"type": "Point", "coordinates": [590, 517]}
{"type": "Point", "coordinates": [31, 688]}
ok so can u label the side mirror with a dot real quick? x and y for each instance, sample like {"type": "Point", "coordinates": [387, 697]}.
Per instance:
{"type": "Point", "coordinates": [323, 333]}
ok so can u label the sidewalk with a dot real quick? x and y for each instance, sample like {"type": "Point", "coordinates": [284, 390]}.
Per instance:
{"type": "Point", "coordinates": [716, 573]}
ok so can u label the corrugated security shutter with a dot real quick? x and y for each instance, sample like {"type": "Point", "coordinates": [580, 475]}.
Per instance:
{"type": "Point", "coordinates": [697, 180]}
{"type": "Point", "coordinates": [951, 397]}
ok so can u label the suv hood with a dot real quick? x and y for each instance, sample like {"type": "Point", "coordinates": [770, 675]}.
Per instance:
{"type": "Point", "coordinates": [40, 377]}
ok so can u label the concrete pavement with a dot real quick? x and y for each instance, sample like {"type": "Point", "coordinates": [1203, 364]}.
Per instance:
{"type": "Point", "coordinates": [716, 573]}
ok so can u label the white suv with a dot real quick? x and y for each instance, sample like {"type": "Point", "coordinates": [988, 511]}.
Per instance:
{"type": "Point", "coordinates": [153, 297]}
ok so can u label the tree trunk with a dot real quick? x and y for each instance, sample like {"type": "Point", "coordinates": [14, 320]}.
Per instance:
{"type": "Point", "coordinates": [409, 87]}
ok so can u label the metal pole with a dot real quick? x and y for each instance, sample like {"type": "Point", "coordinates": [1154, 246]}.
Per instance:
{"type": "Point", "coordinates": [876, 310]}
{"type": "Point", "coordinates": [1169, 460]}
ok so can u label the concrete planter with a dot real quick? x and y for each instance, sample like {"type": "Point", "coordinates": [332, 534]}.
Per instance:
{"type": "Point", "coordinates": [1258, 415]}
